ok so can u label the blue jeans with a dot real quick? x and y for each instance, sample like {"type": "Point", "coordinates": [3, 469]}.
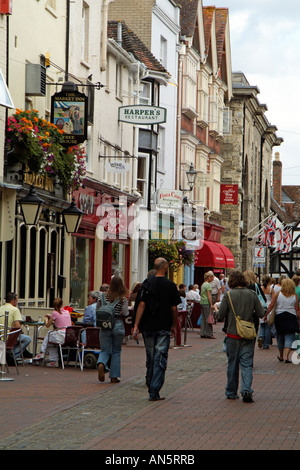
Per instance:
{"type": "Point", "coordinates": [240, 353]}
{"type": "Point", "coordinates": [25, 341]}
{"type": "Point", "coordinates": [157, 348]}
{"type": "Point", "coordinates": [265, 334]}
{"type": "Point", "coordinates": [111, 344]}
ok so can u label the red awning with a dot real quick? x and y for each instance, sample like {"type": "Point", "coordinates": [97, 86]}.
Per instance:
{"type": "Point", "coordinates": [214, 255]}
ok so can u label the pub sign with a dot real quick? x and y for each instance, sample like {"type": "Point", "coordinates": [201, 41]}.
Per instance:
{"type": "Point", "coordinates": [69, 112]}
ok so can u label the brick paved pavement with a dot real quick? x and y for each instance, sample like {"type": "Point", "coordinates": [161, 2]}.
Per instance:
{"type": "Point", "coordinates": [68, 409]}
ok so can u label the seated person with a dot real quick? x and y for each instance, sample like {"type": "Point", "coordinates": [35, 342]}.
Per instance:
{"type": "Point", "coordinates": [89, 317]}
{"type": "Point", "coordinates": [60, 319]}
{"type": "Point", "coordinates": [183, 304]}
{"type": "Point", "coordinates": [192, 295]}
{"type": "Point", "coordinates": [14, 321]}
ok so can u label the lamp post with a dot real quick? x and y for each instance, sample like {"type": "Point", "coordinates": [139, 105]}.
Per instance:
{"type": "Point", "coordinates": [191, 178]}
{"type": "Point", "coordinates": [72, 217]}
{"type": "Point", "coordinates": [31, 207]}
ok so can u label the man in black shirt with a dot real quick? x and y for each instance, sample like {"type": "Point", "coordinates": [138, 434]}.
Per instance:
{"type": "Point", "coordinates": [156, 318]}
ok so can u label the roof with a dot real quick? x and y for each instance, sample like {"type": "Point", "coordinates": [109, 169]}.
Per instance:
{"type": "Point", "coordinates": [132, 44]}
{"type": "Point", "coordinates": [188, 16]}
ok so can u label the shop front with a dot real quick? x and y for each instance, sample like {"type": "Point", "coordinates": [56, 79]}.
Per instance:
{"type": "Point", "coordinates": [213, 255]}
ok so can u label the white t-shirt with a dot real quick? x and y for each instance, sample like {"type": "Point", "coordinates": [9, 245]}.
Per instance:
{"type": "Point", "coordinates": [192, 295]}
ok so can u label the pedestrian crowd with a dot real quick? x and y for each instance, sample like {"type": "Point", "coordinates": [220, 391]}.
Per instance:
{"type": "Point", "coordinates": [265, 310]}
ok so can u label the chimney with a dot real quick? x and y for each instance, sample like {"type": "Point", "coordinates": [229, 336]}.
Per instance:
{"type": "Point", "coordinates": [277, 178]}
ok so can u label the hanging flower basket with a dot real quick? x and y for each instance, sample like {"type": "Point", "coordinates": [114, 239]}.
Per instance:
{"type": "Point", "coordinates": [37, 144]}
{"type": "Point", "coordinates": [174, 252]}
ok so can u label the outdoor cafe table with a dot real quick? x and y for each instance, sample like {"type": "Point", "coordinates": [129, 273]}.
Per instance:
{"type": "Point", "coordinates": [37, 325]}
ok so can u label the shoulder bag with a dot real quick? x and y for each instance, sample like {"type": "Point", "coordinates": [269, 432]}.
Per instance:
{"type": "Point", "coordinates": [261, 299]}
{"type": "Point", "coordinates": [245, 329]}
{"type": "Point", "coordinates": [271, 316]}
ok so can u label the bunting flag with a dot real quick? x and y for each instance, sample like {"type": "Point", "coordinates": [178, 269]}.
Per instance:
{"type": "Point", "coordinates": [279, 239]}
{"type": "Point", "coordinates": [287, 241]}
{"type": "Point", "coordinates": [269, 232]}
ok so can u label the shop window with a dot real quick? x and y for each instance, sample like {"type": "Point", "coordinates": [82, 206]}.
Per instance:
{"type": "Point", "coordinates": [32, 261]}
{"type": "Point", "coordinates": [22, 258]}
{"type": "Point", "coordinates": [42, 263]}
{"type": "Point", "coordinates": [80, 274]}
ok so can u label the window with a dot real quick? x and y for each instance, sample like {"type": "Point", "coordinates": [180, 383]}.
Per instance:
{"type": "Point", "coordinates": [143, 177]}
{"type": "Point", "coordinates": [163, 51]}
{"type": "Point", "coordinates": [226, 121]}
{"type": "Point", "coordinates": [161, 148]}
{"type": "Point", "coordinates": [85, 33]}
{"type": "Point", "coordinates": [119, 81]}
{"type": "Point", "coordinates": [145, 94]}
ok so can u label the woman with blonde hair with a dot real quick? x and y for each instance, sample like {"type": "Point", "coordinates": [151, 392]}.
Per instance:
{"type": "Point", "coordinates": [287, 317]}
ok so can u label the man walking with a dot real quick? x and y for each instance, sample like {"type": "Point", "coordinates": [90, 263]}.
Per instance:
{"type": "Point", "coordinates": [156, 318]}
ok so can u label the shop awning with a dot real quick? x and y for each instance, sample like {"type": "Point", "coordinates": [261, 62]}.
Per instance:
{"type": "Point", "coordinates": [214, 255]}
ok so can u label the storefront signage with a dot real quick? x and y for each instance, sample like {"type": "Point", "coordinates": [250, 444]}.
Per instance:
{"type": "Point", "coordinates": [7, 214]}
{"type": "Point", "coordinates": [69, 113]}
{"type": "Point", "coordinates": [229, 194]}
{"type": "Point", "coordinates": [114, 221]}
{"type": "Point", "coordinates": [142, 115]}
{"type": "Point", "coordinates": [169, 198]}
{"type": "Point", "coordinates": [259, 256]}
{"type": "Point", "coordinates": [6, 7]}
{"type": "Point", "coordinates": [117, 167]}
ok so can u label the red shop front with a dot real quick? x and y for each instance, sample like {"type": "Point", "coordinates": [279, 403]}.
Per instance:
{"type": "Point", "coordinates": [213, 255]}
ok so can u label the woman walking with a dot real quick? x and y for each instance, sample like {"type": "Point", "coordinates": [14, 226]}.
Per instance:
{"type": "Point", "coordinates": [111, 340]}
{"type": "Point", "coordinates": [206, 306]}
{"type": "Point", "coordinates": [287, 317]}
{"type": "Point", "coordinates": [240, 351]}
{"type": "Point", "coordinates": [264, 335]}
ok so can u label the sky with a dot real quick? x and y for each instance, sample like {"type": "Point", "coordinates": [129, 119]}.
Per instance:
{"type": "Point", "coordinates": [265, 46]}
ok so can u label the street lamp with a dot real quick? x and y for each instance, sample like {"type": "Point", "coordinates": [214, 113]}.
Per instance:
{"type": "Point", "coordinates": [31, 207]}
{"type": "Point", "coordinates": [72, 217]}
{"type": "Point", "coordinates": [191, 175]}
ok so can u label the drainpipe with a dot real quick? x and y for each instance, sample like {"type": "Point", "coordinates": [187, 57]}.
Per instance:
{"type": "Point", "coordinates": [103, 51]}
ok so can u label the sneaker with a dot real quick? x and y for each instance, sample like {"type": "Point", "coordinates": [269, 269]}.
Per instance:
{"type": "Point", "coordinates": [27, 354]}
{"type": "Point", "coordinates": [52, 364]}
{"type": "Point", "coordinates": [247, 397]}
{"type": "Point", "coordinates": [260, 342]}
{"type": "Point", "coordinates": [39, 357]}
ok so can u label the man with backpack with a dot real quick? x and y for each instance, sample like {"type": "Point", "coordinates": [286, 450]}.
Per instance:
{"type": "Point", "coordinates": [156, 318]}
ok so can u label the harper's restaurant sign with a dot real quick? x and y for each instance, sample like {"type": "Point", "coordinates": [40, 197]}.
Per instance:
{"type": "Point", "coordinates": [69, 112]}
{"type": "Point", "coordinates": [142, 114]}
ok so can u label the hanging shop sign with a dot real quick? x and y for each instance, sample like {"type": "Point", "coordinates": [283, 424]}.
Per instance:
{"type": "Point", "coordinates": [169, 198]}
{"type": "Point", "coordinates": [229, 194]}
{"type": "Point", "coordinates": [5, 98]}
{"type": "Point", "coordinates": [69, 113]}
{"type": "Point", "coordinates": [142, 114]}
{"type": "Point", "coordinates": [117, 167]}
{"type": "Point", "coordinates": [6, 7]}
{"type": "Point", "coordinates": [259, 256]}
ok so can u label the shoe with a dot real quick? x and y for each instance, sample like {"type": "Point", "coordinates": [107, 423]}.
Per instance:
{"type": "Point", "coordinates": [101, 376]}
{"type": "Point", "coordinates": [260, 342]}
{"type": "Point", "coordinates": [279, 359]}
{"type": "Point", "coordinates": [27, 354]}
{"type": "Point", "coordinates": [39, 357]}
{"type": "Point", "coordinates": [232, 398]}
{"type": "Point", "coordinates": [115, 380]}
{"type": "Point", "coordinates": [52, 364]}
{"type": "Point", "coordinates": [287, 361]}
{"type": "Point", "coordinates": [247, 397]}
{"type": "Point", "coordinates": [156, 398]}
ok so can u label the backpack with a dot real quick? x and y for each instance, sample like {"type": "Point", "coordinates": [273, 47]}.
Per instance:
{"type": "Point", "coordinates": [105, 315]}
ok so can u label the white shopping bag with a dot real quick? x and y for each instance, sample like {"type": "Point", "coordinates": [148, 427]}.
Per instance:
{"type": "Point", "coordinates": [2, 353]}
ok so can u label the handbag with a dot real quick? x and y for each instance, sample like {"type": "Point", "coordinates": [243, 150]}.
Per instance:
{"type": "Point", "coordinates": [245, 329]}
{"type": "Point", "coordinates": [271, 316]}
{"type": "Point", "coordinates": [261, 299]}
{"type": "Point", "coordinates": [211, 319]}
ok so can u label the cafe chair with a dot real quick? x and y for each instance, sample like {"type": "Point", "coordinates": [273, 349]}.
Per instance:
{"type": "Point", "coordinates": [91, 347]}
{"type": "Point", "coordinates": [71, 342]}
{"type": "Point", "coordinates": [12, 340]}
{"type": "Point", "coordinates": [190, 308]}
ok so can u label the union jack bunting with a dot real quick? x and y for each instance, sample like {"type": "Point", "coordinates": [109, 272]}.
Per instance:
{"type": "Point", "coordinates": [279, 239]}
{"type": "Point", "coordinates": [269, 232]}
{"type": "Point", "coordinates": [287, 241]}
